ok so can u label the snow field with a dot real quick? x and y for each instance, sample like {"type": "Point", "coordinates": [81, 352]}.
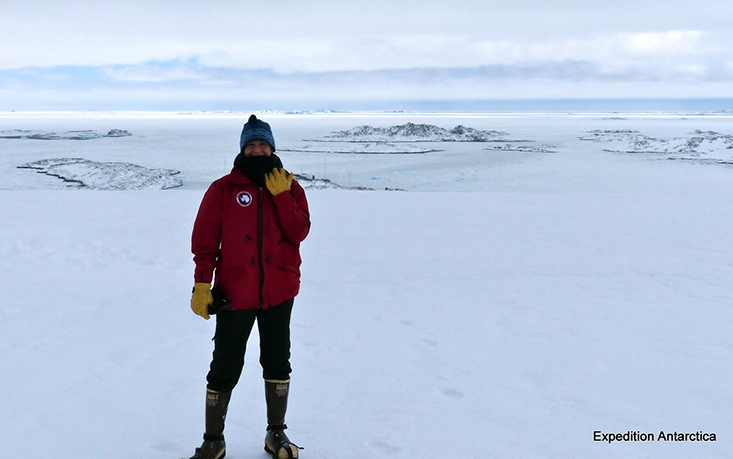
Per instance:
{"type": "Point", "coordinates": [575, 292]}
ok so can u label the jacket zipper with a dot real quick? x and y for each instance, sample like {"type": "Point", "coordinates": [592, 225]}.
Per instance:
{"type": "Point", "coordinates": [259, 245]}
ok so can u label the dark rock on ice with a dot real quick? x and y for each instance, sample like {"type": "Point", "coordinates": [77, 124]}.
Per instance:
{"type": "Point", "coordinates": [313, 182]}
{"type": "Point", "coordinates": [118, 133]}
{"type": "Point", "coordinates": [544, 148]}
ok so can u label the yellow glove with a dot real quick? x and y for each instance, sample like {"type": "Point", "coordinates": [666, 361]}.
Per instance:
{"type": "Point", "coordinates": [278, 181]}
{"type": "Point", "coordinates": [201, 299]}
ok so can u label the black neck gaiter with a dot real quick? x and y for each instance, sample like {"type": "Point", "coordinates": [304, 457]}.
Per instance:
{"type": "Point", "coordinates": [255, 167]}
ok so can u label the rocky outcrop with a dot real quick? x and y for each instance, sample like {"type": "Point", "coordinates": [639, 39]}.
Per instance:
{"type": "Point", "coordinates": [703, 146]}
{"type": "Point", "coordinates": [68, 135]}
{"type": "Point", "coordinates": [411, 132]}
{"type": "Point", "coordinates": [80, 172]}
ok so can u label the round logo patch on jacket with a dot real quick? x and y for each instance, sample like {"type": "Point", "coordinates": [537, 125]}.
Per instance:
{"type": "Point", "coordinates": [244, 199]}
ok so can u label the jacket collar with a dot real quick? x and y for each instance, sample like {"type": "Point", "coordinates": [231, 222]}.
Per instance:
{"type": "Point", "coordinates": [238, 178]}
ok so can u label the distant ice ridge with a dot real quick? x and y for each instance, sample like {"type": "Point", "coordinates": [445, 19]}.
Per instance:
{"type": "Point", "coordinates": [363, 148]}
{"type": "Point", "coordinates": [69, 135]}
{"type": "Point", "coordinates": [106, 176]}
{"type": "Point", "coordinates": [411, 132]}
{"type": "Point", "coordinates": [704, 146]}
{"type": "Point", "coordinates": [543, 148]}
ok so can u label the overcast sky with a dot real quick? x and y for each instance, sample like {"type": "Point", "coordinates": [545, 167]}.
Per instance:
{"type": "Point", "coordinates": [221, 54]}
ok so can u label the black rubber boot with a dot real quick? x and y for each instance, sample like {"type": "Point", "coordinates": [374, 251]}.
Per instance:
{"type": "Point", "coordinates": [276, 442]}
{"type": "Point", "coordinates": [214, 446]}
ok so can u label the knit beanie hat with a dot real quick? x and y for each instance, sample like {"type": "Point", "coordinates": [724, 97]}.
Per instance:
{"type": "Point", "coordinates": [255, 130]}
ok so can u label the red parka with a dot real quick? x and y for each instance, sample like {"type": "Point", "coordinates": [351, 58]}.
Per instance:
{"type": "Point", "coordinates": [251, 239]}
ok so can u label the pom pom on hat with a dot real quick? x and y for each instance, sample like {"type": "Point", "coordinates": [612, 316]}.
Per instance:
{"type": "Point", "coordinates": [256, 130]}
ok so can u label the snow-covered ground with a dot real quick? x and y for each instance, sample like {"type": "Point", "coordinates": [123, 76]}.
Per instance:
{"type": "Point", "coordinates": [509, 304]}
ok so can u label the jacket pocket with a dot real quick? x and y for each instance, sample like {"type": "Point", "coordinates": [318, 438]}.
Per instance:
{"type": "Point", "coordinates": [239, 287]}
{"type": "Point", "coordinates": [292, 270]}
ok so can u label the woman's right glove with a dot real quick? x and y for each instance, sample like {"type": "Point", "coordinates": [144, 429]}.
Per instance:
{"type": "Point", "coordinates": [278, 181]}
{"type": "Point", "coordinates": [201, 299]}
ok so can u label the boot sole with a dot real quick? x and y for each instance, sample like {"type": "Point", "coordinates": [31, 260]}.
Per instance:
{"type": "Point", "coordinates": [197, 455]}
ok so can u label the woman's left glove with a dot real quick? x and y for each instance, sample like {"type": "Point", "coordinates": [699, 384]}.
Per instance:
{"type": "Point", "coordinates": [278, 181]}
{"type": "Point", "coordinates": [201, 299]}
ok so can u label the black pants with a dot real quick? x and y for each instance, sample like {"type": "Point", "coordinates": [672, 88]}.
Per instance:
{"type": "Point", "coordinates": [230, 342]}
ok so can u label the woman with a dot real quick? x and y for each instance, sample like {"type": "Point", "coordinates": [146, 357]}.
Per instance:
{"type": "Point", "coordinates": [247, 237]}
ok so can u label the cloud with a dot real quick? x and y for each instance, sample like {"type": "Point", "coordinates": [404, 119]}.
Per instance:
{"type": "Point", "coordinates": [297, 36]}
{"type": "Point", "coordinates": [671, 42]}
{"type": "Point", "coordinates": [156, 73]}
{"type": "Point", "coordinates": [191, 85]}
{"type": "Point", "coordinates": [397, 48]}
